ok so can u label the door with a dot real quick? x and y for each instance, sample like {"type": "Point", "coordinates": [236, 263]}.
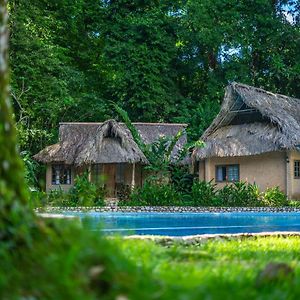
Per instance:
{"type": "Point", "coordinates": [120, 178]}
{"type": "Point", "coordinates": [109, 172]}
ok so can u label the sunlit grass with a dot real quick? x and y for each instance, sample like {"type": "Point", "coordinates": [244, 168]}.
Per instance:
{"type": "Point", "coordinates": [219, 269]}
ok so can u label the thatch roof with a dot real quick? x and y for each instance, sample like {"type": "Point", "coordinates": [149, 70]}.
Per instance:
{"type": "Point", "coordinates": [108, 142]}
{"type": "Point", "coordinates": [252, 121]}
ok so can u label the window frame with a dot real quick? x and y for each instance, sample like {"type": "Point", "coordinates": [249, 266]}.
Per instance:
{"type": "Point", "coordinates": [227, 167]}
{"type": "Point", "coordinates": [294, 169]}
{"type": "Point", "coordinates": [62, 168]}
{"type": "Point", "coordinates": [120, 173]}
{"type": "Point", "coordinates": [97, 173]}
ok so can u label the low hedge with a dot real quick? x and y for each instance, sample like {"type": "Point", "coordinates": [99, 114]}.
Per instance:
{"type": "Point", "coordinates": [239, 194]}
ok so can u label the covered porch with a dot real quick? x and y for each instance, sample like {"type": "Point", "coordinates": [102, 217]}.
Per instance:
{"type": "Point", "coordinates": [116, 177]}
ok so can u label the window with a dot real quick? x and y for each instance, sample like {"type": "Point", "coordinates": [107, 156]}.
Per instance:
{"type": "Point", "coordinates": [61, 174]}
{"type": "Point", "coordinates": [227, 173]}
{"type": "Point", "coordinates": [120, 173]}
{"type": "Point", "coordinates": [97, 173]}
{"type": "Point", "coordinates": [297, 168]}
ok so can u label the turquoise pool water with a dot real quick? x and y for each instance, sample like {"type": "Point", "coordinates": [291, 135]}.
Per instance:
{"type": "Point", "coordinates": [181, 224]}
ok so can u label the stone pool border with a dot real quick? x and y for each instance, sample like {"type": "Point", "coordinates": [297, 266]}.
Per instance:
{"type": "Point", "coordinates": [202, 238]}
{"type": "Point", "coordinates": [166, 209]}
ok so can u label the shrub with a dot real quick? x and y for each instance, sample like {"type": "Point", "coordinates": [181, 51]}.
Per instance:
{"type": "Point", "coordinates": [124, 192]}
{"type": "Point", "coordinates": [181, 179]}
{"type": "Point", "coordinates": [86, 193]}
{"type": "Point", "coordinates": [58, 198]}
{"type": "Point", "coordinates": [294, 203]}
{"type": "Point", "coordinates": [83, 193]}
{"type": "Point", "coordinates": [38, 199]}
{"type": "Point", "coordinates": [275, 197]}
{"type": "Point", "coordinates": [154, 194]}
{"type": "Point", "coordinates": [239, 194]}
{"type": "Point", "coordinates": [203, 194]}
{"type": "Point", "coordinates": [67, 262]}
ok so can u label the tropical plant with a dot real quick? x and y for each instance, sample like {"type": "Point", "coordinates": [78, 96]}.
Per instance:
{"type": "Point", "coordinates": [86, 193]}
{"type": "Point", "coordinates": [159, 152]}
{"type": "Point", "coordinates": [240, 194]}
{"type": "Point", "coordinates": [204, 194]}
{"type": "Point", "coordinates": [275, 197]}
{"type": "Point", "coordinates": [135, 134]}
{"type": "Point", "coordinates": [154, 194]}
{"type": "Point", "coordinates": [181, 178]}
{"type": "Point", "coordinates": [30, 169]}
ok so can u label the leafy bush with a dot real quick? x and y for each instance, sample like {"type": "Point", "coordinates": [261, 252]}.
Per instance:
{"type": "Point", "coordinates": [154, 194]}
{"type": "Point", "coordinates": [124, 192]}
{"type": "Point", "coordinates": [83, 193]}
{"type": "Point", "coordinates": [181, 179]}
{"type": "Point", "coordinates": [203, 194]}
{"type": "Point", "coordinates": [30, 169]}
{"type": "Point", "coordinates": [275, 197]}
{"type": "Point", "coordinates": [294, 203]}
{"type": "Point", "coordinates": [239, 194]}
{"type": "Point", "coordinates": [38, 199]}
{"type": "Point", "coordinates": [67, 262]}
{"type": "Point", "coordinates": [86, 193]}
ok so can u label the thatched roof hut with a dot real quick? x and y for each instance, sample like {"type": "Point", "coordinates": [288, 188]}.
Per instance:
{"type": "Point", "coordinates": [252, 121]}
{"type": "Point", "coordinates": [108, 142]}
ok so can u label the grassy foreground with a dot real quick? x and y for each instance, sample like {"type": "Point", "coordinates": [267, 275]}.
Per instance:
{"type": "Point", "coordinates": [220, 269]}
{"type": "Point", "coordinates": [63, 261]}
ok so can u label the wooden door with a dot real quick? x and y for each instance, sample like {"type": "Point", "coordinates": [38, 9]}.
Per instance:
{"type": "Point", "coordinates": [109, 172]}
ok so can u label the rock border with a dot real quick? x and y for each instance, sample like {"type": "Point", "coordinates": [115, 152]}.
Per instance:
{"type": "Point", "coordinates": [202, 238]}
{"type": "Point", "coordinates": [166, 209]}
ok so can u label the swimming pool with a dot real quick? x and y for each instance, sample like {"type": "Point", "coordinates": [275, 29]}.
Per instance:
{"type": "Point", "coordinates": [182, 224]}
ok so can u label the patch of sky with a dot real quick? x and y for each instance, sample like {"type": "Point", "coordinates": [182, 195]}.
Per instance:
{"type": "Point", "coordinates": [227, 53]}
{"type": "Point", "coordinates": [290, 11]}
{"type": "Point", "coordinates": [177, 12]}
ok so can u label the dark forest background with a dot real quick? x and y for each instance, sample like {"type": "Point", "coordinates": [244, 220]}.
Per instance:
{"type": "Point", "coordinates": [165, 60]}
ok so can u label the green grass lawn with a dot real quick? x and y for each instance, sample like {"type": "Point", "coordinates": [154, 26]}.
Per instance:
{"type": "Point", "coordinates": [219, 269]}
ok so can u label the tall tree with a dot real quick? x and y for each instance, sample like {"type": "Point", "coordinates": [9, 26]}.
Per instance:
{"type": "Point", "coordinates": [14, 214]}
{"type": "Point", "coordinates": [140, 51]}
{"type": "Point", "coordinates": [161, 60]}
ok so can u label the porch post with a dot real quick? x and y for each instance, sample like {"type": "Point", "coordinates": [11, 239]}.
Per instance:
{"type": "Point", "coordinates": [90, 173]}
{"type": "Point", "coordinates": [133, 176]}
{"type": "Point", "coordinates": [289, 187]}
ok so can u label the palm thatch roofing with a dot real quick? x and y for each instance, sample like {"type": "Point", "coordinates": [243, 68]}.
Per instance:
{"type": "Point", "coordinates": [252, 121]}
{"type": "Point", "coordinates": [108, 142]}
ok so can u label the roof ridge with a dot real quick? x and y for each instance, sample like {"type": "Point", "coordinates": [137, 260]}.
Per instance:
{"type": "Point", "coordinates": [243, 85]}
{"type": "Point", "coordinates": [135, 123]}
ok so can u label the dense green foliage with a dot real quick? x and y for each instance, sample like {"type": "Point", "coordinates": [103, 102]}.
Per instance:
{"type": "Point", "coordinates": [162, 163]}
{"type": "Point", "coordinates": [238, 194]}
{"type": "Point", "coordinates": [65, 262]}
{"type": "Point", "coordinates": [220, 268]}
{"type": "Point", "coordinates": [243, 194]}
{"type": "Point", "coordinates": [51, 260]}
{"type": "Point", "coordinates": [159, 60]}
{"type": "Point", "coordinates": [83, 193]}
{"type": "Point", "coordinates": [65, 63]}
{"type": "Point", "coordinates": [275, 197]}
{"type": "Point", "coordinates": [15, 216]}
{"type": "Point", "coordinates": [154, 194]}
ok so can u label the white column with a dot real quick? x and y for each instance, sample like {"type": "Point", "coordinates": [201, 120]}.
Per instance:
{"type": "Point", "coordinates": [207, 170]}
{"type": "Point", "coordinates": [133, 176]}
{"type": "Point", "coordinates": [289, 187]}
{"type": "Point", "coordinates": [90, 172]}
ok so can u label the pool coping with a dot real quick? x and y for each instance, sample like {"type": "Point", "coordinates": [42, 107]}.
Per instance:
{"type": "Point", "coordinates": [202, 238]}
{"type": "Point", "coordinates": [165, 209]}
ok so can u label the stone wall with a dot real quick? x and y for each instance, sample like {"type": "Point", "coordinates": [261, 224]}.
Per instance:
{"type": "Point", "coordinates": [168, 209]}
